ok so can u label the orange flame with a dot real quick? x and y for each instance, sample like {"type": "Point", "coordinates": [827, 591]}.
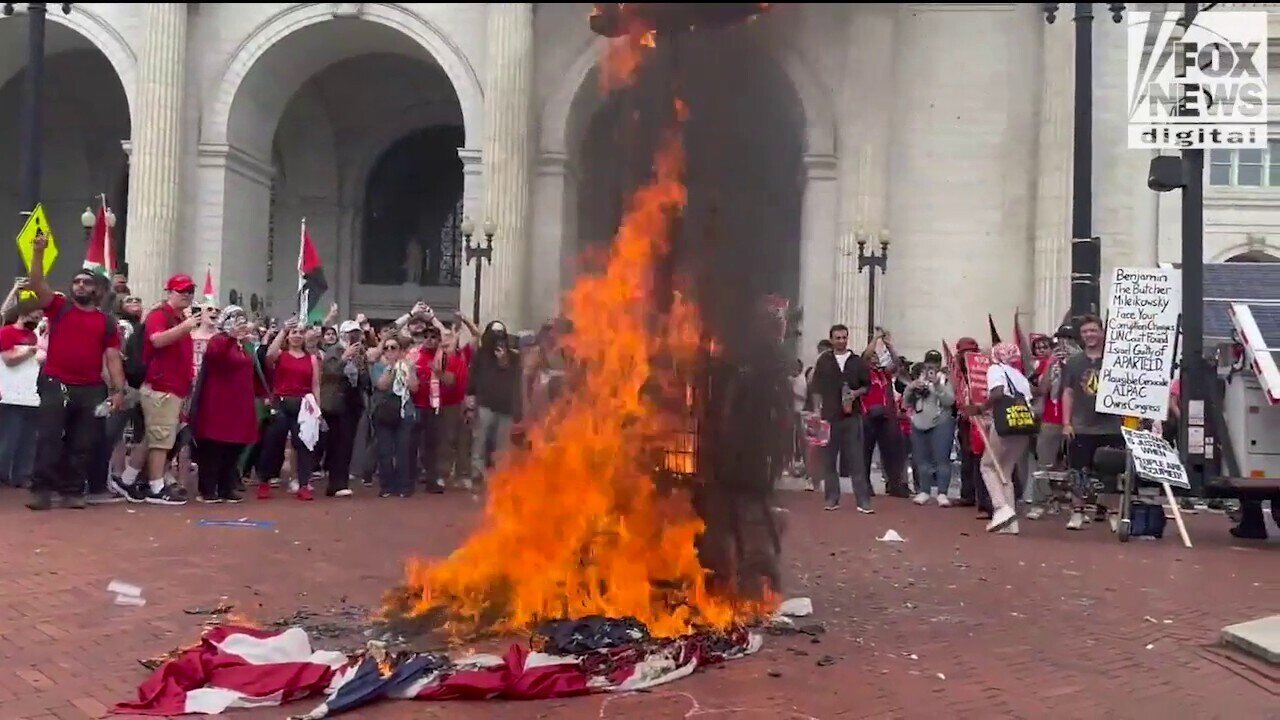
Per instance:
{"type": "Point", "coordinates": [624, 55]}
{"type": "Point", "coordinates": [574, 526]}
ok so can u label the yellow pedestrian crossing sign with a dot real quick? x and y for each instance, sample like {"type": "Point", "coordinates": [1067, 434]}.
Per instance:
{"type": "Point", "coordinates": [37, 223]}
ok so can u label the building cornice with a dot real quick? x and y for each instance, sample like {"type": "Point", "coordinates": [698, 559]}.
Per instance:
{"type": "Point", "coordinates": [237, 161]}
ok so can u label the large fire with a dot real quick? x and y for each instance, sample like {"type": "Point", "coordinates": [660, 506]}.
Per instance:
{"type": "Point", "coordinates": [575, 525]}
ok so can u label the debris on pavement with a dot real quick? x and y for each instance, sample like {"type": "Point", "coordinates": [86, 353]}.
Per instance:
{"type": "Point", "coordinates": [891, 535]}
{"type": "Point", "coordinates": [796, 607]}
{"type": "Point", "coordinates": [126, 594]}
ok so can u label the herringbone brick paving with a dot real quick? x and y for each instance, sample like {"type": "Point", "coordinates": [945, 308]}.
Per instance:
{"type": "Point", "coordinates": [1049, 624]}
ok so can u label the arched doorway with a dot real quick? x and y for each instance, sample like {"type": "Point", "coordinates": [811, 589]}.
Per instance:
{"type": "Point", "coordinates": [85, 124]}
{"type": "Point", "coordinates": [311, 117]}
{"type": "Point", "coordinates": [413, 213]}
{"type": "Point", "coordinates": [1253, 256]}
{"type": "Point", "coordinates": [745, 143]}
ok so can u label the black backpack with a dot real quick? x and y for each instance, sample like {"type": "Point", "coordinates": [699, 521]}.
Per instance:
{"type": "Point", "coordinates": [135, 367]}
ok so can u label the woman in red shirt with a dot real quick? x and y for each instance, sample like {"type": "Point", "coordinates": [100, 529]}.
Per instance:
{"type": "Point", "coordinates": [224, 418]}
{"type": "Point", "coordinates": [295, 373]}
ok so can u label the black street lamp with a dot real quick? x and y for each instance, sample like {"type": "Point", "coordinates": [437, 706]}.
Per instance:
{"type": "Point", "coordinates": [1086, 250]}
{"type": "Point", "coordinates": [480, 254]}
{"type": "Point", "coordinates": [33, 99]}
{"type": "Point", "coordinates": [875, 262]}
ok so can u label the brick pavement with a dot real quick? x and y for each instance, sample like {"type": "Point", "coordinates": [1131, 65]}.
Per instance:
{"type": "Point", "coordinates": [1045, 625]}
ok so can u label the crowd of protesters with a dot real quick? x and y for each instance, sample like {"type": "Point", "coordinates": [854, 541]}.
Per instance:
{"type": "Point", "coordinates": [127, 405]}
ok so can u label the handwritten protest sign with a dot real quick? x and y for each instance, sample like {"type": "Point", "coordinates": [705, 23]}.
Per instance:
{"type": "Point", "coordinates": [1142, 329]}
{"type": "Point", "coordinates": [1154, 459]}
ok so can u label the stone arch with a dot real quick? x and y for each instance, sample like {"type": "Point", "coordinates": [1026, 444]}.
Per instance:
{"type": "Point", "coordinates": [215, 127]}
{"type": "Point", "coordinates": [1248, 252]}
{"type": "Point", "coordinates": [574, 100]}
{"type": "Point", "coordinates": [102, 35]}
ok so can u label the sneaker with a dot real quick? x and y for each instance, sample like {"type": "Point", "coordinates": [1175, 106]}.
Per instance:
{"type": "Point", "coordinates": [1077, 521]}
{"type": "Point", "coordinates": [944, 501]}
{"type": "Point", "coordinates": [264, 491]}
{"type": "Point", "coordinates": [293, 487]}
{"type": "Point", "coordinates": [1001, 518]}
{"type": "Point", "coordinates": [104, 498]}
{"type": "Point", "coordinates": [832, 506]}
{"type": "Point", "coordinates": [866, 510]}
{"type": "Point", "coordinates": [72, 502]}
{"type": "Point", "coordinates": [1035, 512]}
{"type": "Point", "coordinates": [42, 500]}
{"type": "Point", "coordinates": [344, 492]}
{"type": "Point", "coordinates": [168, 495]}
{"type": "Point", "coordinates": [367, 482]}
{"type": "Point", "coordinates": [274, 482]}
{"type": "Point", "coordinates": [133, 493]}
{"type": "Point", "coordinates": [384, 494]}
{"type": "Point", "coordinates": [208, 500]}
{"type": "Point", "coordinates": [1010, 529]}
{"type": "Point", "coordinates": [232, 497]}
{"type": "Point", "coordinates": [304, 493]}
{"type": "Point", "coordinates": [920, 498]}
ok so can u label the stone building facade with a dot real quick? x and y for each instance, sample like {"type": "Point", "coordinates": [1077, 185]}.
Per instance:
{"type": "Point", "coordinates": [213, 129]}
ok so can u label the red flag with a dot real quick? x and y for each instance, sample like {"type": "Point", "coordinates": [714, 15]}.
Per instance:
{"type": "Point", "coordinates": [210, 296]}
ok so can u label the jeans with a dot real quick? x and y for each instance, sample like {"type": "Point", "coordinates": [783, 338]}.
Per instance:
{"type": "Point", "coordinates": [68, 433]}
{"type": "Point", "coordinates": [884, 432]}
{"type": "Point", "coordinates": [340, 443]}
{"type": "Point", "coordinates": [489, 427]}
{"type": "Point", "coordinates": [100, 464]}
{"type": "Point", "coordinates": [846, 441]}
{"type": "Point", "coordinates": [931, 450]}
{"type": "Point", "coordinates": [17, 443]}
{"type": "Point", "coordinates": [397, 451]}
{"type": "Point", "coordinates": [455, 442]}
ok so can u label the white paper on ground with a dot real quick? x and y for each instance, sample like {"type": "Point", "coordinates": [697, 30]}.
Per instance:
{"type": "Point", "coordinates": [891, 536]}
{"type": "Point", "coordinates": [796, 607]}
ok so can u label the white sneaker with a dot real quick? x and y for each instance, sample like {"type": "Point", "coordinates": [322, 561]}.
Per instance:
{"type": "Point", "coordinates": [944, 501]}
{"type": "Point", "coordinates": [1001, 517]}
{"type": "Point", "coordinates": [1010, 529]}
{"type": "Point", "coordinates": [293, 487]}
{"type": "Point", "coordinates": [1035, 512]}
{"type": "Point", "coordinates": [344, 492]}
{"type": "Point", "coordinates": [920, 499]}
{"type": "Point", "coordinates": [1076, 522]}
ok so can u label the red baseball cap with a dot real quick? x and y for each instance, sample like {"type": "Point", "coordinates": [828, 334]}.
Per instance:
{"type": "Point", "coordinates": [180, 283]}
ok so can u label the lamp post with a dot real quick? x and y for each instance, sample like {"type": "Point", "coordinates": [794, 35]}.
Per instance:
{"type": "Point", "coordinates": [480, 254]}
{"type": "Point", "coordinates": [32, 99]}
{"type": "Point", "coordinates": [873, 261]}
{"type": "Point", "coordinates": [87, 219]}
{"type": "Point", "coordinates": [1086, 250]}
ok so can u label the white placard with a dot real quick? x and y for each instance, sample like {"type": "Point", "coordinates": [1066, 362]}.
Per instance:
{"type": "Point", "coordinates": [1142, 329]}
{"type": "Point", "coordinates": [1154, 459]}
{"type": "Point", "coordinates": [18, 383]}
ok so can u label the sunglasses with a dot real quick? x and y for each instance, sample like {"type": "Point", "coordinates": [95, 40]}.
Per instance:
{"type": "Point", "coordinates": [390, 347]}
{"type": "Point", "coordinates": [83, 281]}
{"type": "Point", "coordinates": [191, 291]}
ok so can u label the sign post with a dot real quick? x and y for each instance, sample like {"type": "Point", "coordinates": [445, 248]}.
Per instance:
{"type": "Point", "coordinates": [1155, 460]}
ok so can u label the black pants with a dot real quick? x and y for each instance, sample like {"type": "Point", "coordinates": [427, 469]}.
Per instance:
{"type": "Point", "coordinates": [283, 425]}
{"type": "Point", "coordinates": [218, 463]}
{"type": "Point", "coordinates": [340, 443]}
{"type": "Point", "coordinates": [69, 433]}
{"type": "Point", "coordinates": [883, 432]}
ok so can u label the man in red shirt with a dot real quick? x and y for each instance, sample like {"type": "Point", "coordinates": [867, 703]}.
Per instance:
{"type": "Point", "coordinates": [169, 355]}
{"type": "Point", "coordinates": [19, 403]}
{"type": "Point", "coordinates": [81, 339]}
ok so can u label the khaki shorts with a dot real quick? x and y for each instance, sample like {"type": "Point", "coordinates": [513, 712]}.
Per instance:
{"type": "Point", "coordinates": [161, 413]}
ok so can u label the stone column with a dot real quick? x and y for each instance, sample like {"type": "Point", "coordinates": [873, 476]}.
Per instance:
{"type": "Point", "coordinates": [866, 128]}
{"type": "Point", "coordinates": [1053, 185]}
{"type": "Point", "coordinates": [817, 250]}
{"type": "Point", "coordinates": [508, 101]}
{"type": "Point", "coordinates": [553, 233]}
{"type": "Point", "coordinates": [155, 166]}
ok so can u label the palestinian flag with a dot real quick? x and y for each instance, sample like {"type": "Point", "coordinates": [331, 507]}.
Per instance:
{"type": "Point", "coordinates": [98, 256]}
{"type": "Point", "coordinates": [311, 283]}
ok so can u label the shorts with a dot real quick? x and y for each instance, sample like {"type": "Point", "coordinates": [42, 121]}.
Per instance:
{"type": "Point", "coordinates": [161, 413]}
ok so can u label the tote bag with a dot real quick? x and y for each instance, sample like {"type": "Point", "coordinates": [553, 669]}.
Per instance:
{"type": "Point", "coordinates": [1011, 414]}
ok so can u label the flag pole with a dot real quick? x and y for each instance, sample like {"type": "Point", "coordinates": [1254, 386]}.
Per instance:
{"type": "Point", "coordinates": [302, 299]}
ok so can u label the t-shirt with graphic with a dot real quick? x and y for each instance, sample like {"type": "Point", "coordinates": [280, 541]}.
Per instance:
{"type": "Point", "coordinates": [1081, 375]}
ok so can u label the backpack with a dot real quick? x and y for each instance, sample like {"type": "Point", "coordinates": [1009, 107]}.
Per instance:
{"type": "Point", "coordinates": [135, 367]}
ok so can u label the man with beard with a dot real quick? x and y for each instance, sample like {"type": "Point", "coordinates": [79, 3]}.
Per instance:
{"type": "Point", "coordinates": [70, 422]}
{"type": "Point", "coordinates": [1085, 428]}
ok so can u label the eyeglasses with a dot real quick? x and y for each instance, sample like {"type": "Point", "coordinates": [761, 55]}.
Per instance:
{"type": "Point", "coordinates": [390, 347]}
{"type": "Point", "coordinates": [190, 291]}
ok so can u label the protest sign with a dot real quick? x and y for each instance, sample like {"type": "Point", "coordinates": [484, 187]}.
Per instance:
{"type": "Point", "coordinates": [1154, 459]}
{"type": "Point", "coordinates": [977, 365]}
{"type": "Point", "coordinates": [1142, 330]}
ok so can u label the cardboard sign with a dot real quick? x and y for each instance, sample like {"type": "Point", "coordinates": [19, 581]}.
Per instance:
{"type": "Point", "coordinates": [1154, 459]}
{"type": "Point", "coordinates": [1142, 331]}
